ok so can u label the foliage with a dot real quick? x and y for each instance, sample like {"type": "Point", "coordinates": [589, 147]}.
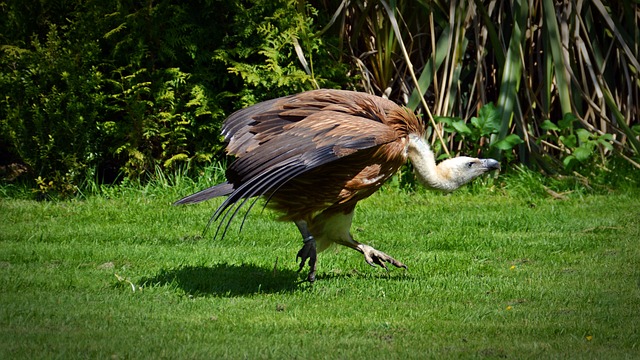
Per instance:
{"type": "Point", "coordinates": [115, 90]}
{"type": "Point", "coordinates": [579, 145]}
{"type": "Point", "coordinates": [103, 90]}
{"type": "Point", "coordinates": [156, 116]}
{"type": "Point", "coordinates": [51, 98]}
{"type": "Point", "coordinates": [273, 50]}
{"type": "Point", "coordinates": [538, 61]}
{"type": "Point", "coordinates": [479, 130]}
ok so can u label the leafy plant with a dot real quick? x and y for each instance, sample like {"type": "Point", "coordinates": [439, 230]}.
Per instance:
{"type": "Point", "coordinates": [157, 115]}
{"type": "Point", "coordinates": [102, 89]}
{"type": "Point", "coordinates": [52, 98]}
{"type": "Point", "coordinates": [479, 130]}
{"type": "Point", "coordinates": [273, 51]}
{"type": "Point", "coordinates": [579, 145]}
{"type": "Point", "coordinates": [534, 59]}
{"type": "Point", "coordinates": [94, 89]}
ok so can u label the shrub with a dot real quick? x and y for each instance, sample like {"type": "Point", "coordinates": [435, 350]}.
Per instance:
{"type": "Point", "coordinates": [99, 89]}
{"type": "Point", "coordinates": [52, 100]}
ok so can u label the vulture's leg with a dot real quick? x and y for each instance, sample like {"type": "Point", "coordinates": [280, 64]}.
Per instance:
{"type": "Point", "coordinates": [372, 256]}
{"type": "Point", "coordinates": [334, 226]}
{"type": "Point", "coordinates": [308, 250]}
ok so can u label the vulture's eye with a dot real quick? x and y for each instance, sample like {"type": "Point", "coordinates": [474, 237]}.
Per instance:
{"type": "Point", "coordinates": [470, 165]}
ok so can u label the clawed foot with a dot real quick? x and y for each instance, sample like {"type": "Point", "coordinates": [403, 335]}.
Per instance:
{"type": "Point", "coordinates": [308, 251]}
{"type": "Point", "coordinates": [374, 257]}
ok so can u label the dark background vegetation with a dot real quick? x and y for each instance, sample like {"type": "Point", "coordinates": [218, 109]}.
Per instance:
{"type": "Point", "coordinates": [109, 91]}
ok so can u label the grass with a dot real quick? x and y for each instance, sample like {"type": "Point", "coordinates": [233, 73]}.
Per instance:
{"type": "Point", "coordinates": [492, 274]}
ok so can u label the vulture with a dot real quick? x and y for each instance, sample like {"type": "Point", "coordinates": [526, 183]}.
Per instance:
{"type": "Point", "coordinates": [314, 155]}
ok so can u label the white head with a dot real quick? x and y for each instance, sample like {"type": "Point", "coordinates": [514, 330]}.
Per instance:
{"type": "Point", "coordinates": [449, 174]}
{"type": "Point", "coordinates": [460, 170]}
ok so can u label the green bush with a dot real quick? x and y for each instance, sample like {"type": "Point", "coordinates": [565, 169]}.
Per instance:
{"type": "Point", "coordinates": [480, 132]}
{"type": "Point", "coordinates": [100, 90]}
{"type": "Point", "coordinates": [260, 50]}
{"type": "Point", "coordinates": [97, 90]}
{"type": "Point", "coordinates": [52, 99]}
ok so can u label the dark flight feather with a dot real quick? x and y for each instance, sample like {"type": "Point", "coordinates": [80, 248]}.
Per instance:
{"type": "Point", "coordinates": [208, 193]}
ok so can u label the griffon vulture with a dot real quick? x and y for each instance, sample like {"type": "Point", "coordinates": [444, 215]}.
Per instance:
{"type": "Point", "coordinates": [314, 155]}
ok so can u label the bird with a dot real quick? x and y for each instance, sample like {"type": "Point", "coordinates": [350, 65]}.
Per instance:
{"type": "Point", "coordinates": [314, 155]}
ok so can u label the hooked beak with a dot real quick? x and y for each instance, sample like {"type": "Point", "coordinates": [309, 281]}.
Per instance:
{"type": "Point", "coordinates": [490, 164]}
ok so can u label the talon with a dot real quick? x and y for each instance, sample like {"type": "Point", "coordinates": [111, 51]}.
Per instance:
{"type": "Point", "coordinates": [309, 252]}
{"type": "Point", "coordinates": [375, 257]}
{"type": "Point", "coordinates": [381, 264]}
{"type": "Point", "coordinates": [312, 276]}
{"type": "Point", "coordinates": [302, 255]}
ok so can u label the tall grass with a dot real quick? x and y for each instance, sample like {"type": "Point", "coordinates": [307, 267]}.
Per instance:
{"type": "Point", "coordinates": [538, 61]}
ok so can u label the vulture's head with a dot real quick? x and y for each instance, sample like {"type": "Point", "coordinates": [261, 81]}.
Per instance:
{"type": "Point", "coordinates": [461, 170]}
{"type": "Point", "coordinates": [449, 174]}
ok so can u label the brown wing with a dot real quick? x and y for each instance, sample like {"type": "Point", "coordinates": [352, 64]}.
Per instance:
{"type": "Point", "coordinates": [339, 184]}
{"type": "Point", "coordinates": [278, 140]}
{"type": "Point", "coordinates": [248, 128]}
{"type": "Point", "coordinates": [304, 146]}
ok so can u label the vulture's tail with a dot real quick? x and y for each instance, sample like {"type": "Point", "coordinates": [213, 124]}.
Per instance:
{"type": "Point", "coordinates": [206, 194]}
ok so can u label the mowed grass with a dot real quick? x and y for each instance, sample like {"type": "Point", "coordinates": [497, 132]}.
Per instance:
{"type": "Point", "coordinates": [492, 274]}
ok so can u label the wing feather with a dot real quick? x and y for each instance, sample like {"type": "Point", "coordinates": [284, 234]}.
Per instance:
{"type": "Point", "coordinates": [219, 190]}
{"type": "Point", "coordinates": [312, 142]}
{"type": "Point", "coordinates": [278, 140]}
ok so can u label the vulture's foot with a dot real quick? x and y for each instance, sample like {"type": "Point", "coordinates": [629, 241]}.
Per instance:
{"type": "Point", "coordinates": [375, 257]}
{"type": "Point", "coordinates": [309, 252]}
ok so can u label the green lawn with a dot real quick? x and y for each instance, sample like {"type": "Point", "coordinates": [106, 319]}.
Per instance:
{"type": "Point", "coordinates": [492, 274]}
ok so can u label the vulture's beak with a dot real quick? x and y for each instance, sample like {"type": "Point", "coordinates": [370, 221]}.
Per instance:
{"type": "Point", "coordinates": [490, 164]}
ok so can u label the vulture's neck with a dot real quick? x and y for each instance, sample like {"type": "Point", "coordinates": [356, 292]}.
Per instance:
{"type": "Point", "coordinates": [424, 163]}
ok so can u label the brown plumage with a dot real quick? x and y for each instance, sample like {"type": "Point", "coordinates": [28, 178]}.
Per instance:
{"type": "Point", "coordinates": [314, 155]}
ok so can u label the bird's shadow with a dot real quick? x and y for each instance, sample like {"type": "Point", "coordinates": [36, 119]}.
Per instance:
{"type": "Point", "coordinates": [225, 280]}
